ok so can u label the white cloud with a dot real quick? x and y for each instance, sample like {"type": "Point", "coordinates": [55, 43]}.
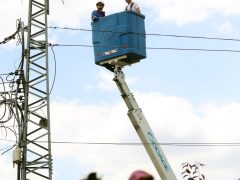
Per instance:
{"type": "Point", "coordinates": [227, 28]}
{"type": "Point", "coordinates": [172, 119]}
{"type": "Point", "coordinates": [106, 83]}
{"type": "Point", "coordinates": [74, 13]}
{"type": "Point", "coordinates": [224, 120]}
{"type": "Point", "coordinates": [7, 170]}
{"type": "Point", "coordinates": [188, 11]}
{"type": "Point", "coordinates": [10, 11]}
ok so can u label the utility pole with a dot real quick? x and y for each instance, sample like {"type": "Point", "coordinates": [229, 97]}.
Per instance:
{"type": "Point", "coordinates": [35, 140]}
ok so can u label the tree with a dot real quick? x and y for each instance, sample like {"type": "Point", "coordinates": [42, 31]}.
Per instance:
{"type": "Point", "coordinates": [192, 171]}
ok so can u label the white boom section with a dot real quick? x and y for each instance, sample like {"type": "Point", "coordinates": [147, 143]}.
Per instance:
{"type": "Point", "coordinates": [143, 129]}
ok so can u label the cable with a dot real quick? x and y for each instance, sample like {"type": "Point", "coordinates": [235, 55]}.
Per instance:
{"type": "Point", "coordinates": [237, 144]}
{"type": "Point", "coordinates": [9, 100]}
{"type": "Point", "coordinates": [152, 48]}
{"type": "Point", "coordinates": [140, 144]}
{"type": "Point", "coordinates": [2, 149]}
{"type": "Point", "coordinates": [5, 74]}
{"type": "Point", "coordinates": [149, 34]}
{"type": "Point", "coordinates": [10, 148]}
{"type": "Point", "coordinates": [55, 68]}
{"type": "Point", "coordinates": [3, 101]}
{"type": "Point", "coordinates": [4, 82]}
{"type": "Point", "coordinates": [7, 39]}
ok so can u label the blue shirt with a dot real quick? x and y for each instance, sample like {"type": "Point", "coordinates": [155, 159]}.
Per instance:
{"type": "Point", "coordinates": [97, 14]}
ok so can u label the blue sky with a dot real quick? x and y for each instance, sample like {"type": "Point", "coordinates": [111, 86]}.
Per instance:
{"type": "Point", "coordinates": [186, 96]}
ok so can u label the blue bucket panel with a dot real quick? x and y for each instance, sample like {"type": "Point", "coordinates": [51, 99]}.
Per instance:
{"type": "Point", "coordinates": [119, 34]}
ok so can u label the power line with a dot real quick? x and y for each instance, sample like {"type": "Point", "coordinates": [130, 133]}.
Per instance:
{"type": "Point", "coordinates": [149, 34]}
{"type": "Point", "coordinates": [140, 144]}
{"type": "Point", "coordinates": [151, 48]}
{"type": "Point", "coordinates": [7, 82]}
{"type": "Point", "coordinates": [5, 74]}
{"type": "Point", "coordinates": [55, 69]}
{"type": "Point", "coordinates": [3, 149]}
{"type": "Point", "coordinates": [7, 39]}
{"type": "Point", "coordinates": [237, 144]}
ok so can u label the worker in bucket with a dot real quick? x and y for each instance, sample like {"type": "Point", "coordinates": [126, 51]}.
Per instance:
{"type": "Point", "coordinates": [140, 175]}
{"type": "Point", "coordinates": [132, 6]}
{"type": "Point", "coordinates": [99, 13]}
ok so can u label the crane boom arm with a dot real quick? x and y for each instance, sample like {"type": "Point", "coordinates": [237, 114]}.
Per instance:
{"type": "Point", "coordinates": [143, 129]}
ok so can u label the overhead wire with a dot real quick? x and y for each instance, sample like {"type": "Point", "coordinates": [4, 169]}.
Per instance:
{"type": "Point", "coordinates": [150, 48]}
{"type": "Point", "coordinates": [5, 82]}
{"type": "Point", "coordinates": [218, 144]}
{"type": "Point", "coordinates": [140, 144]}
{"type": "Point", "coordinates": [3, 149]}
{"type": "Point", "coordinates": [55, 69]}
{"type": "Point", "coordinates": [11, 147]}
{"type": "Point", "coordinates": [4, 74]}
{"type": "Point", "coordinates": [53, 83]}
{"type": "Point", "coordinates": [9, 97]}
{"type": "Point", "coordinates": [148, 34]}
{"type": "Point", "coordinates": [2, 102]}
{"type": "Point", "coordinates": [13, 36]}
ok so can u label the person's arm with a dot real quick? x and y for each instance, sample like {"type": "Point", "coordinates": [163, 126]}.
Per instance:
{"type": "Point", "coordinates": [138, 10]}
{"type": "Point", "coordinates": [95, 16]}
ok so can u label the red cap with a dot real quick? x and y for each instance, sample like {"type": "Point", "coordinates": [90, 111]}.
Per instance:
{"type": "Point", "coordinates": [139, 174]}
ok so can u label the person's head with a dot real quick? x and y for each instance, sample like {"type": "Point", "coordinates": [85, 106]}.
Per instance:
{"type": "Point", "coordinates": [92, 176]}
{"type": "Point", "coordinates": [141, 175]}
{"type": "Point", "coordinates": [100, 5]}
{"type": "Point", "coordinates": [128, 1]}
